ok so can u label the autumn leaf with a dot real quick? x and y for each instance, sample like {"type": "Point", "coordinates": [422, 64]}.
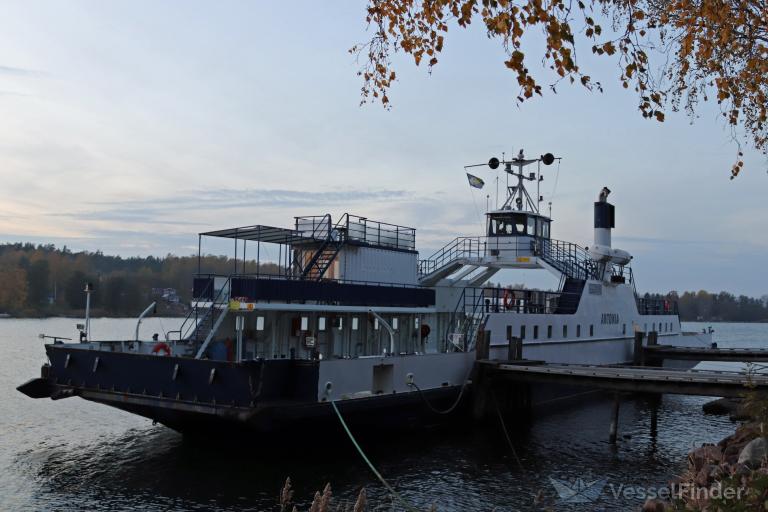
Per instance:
{"type": "Point", "coordinates": [703, 48]}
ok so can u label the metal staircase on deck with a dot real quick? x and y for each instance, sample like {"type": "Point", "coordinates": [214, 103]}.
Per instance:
{"type": "Point", "coordinates": [449, 259]}
{"type": "Point", "coordinates": [570, 296]}
{"type": "Point", "coordinates": [570, 259]}
{"type": "Point", "coordinates": [204, 319]}
{"type": "Point", "coordinates": [333, 239]}
{"type": "Point", "coordinates": [467, 317]}
{"type": "Point", "coordinates": [322, 260]}
{"type": "Point", "coordinates": [576, 266]}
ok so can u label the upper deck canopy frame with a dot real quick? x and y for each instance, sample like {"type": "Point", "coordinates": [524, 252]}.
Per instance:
{"type": "Point", "coordinates": [311, 231]}
{"type": "Point", "coordinates": [257, 233]}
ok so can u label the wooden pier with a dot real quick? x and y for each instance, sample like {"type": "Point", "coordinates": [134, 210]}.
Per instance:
{"type": "Point", "coordinates": [515, 375]}
{"type": "Point", "coordinates": [742, 355]}
{"type": "Point", "coordinates": [627, 379]}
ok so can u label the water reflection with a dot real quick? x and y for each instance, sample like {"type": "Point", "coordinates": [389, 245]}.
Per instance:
{"type": "Point", "coordinates": [73, 455]}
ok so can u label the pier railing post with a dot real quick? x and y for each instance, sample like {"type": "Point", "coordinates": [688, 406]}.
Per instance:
{"type": "Point", "coordinates": [653, 338]}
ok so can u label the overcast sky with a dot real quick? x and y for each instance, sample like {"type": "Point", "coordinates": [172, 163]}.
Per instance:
{"type": "Point", "coordinates": [131, 126]}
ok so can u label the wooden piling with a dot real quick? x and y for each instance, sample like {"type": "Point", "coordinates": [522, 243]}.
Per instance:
{"type": "Point", "coordinates": [483, 345]}
{"type": "Point", "coordinates": [638, 354]}
{"type": "Point", "coordinates": [481, 386]}
{"type": "Point", "coordinates": [653, 340]}
{"type": "Point", "coordinates": [614, 429]}
{"type": "Point", "coordinates": [515, 352]}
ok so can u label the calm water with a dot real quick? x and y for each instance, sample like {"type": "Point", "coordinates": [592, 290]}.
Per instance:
{"type": "Point", "coordinates": [74, 455]}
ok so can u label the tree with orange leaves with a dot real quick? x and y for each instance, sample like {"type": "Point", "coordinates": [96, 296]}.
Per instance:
{"type": "Point", "coordinates": [673, 53]}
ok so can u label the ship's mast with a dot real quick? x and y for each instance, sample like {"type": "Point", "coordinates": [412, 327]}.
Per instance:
{"type": "Point", "coordinates": [518, 196]}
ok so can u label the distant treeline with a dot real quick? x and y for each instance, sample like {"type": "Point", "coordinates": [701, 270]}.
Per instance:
{"type": "Point", "coordinates": [41, 280]}
{"type": "Point", "coordinates": [718, 307]}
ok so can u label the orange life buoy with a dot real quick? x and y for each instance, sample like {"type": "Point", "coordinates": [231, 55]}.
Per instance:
{"type": "Point", "coordinates": [162, 346]}
{"type": "Point", "coordinates": [509, 298]}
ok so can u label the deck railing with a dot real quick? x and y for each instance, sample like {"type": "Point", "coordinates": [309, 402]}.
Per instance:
{"type": "Point", "coordinates": [654, 306]}
{"type": "Point", "coordinates": [358, 229]}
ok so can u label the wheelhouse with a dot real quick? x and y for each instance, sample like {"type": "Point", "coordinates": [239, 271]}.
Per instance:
{"type": "Point", "coordinates": [514, 223]}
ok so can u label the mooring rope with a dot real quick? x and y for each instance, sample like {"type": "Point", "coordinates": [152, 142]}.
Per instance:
{"type": "Point", "coordinates": [394, 493]}
{"type": "Point", "coordinates": [504, 428]}
{"type": "Point", "coordinates": [455, 404]}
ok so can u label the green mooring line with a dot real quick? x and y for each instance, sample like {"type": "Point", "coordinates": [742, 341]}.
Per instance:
{"type": "Point", "coordinates": [402, 500]}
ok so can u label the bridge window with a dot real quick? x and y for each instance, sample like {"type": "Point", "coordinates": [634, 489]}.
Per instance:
{"type": "Point", "coordinates": [535, 332]}
{"type": "Point", "coordinates": [591, 330]}
{"type": "Point", "coordinates": [565, 331]}
{"type": "Point", "coordinates": [578, 331]}
{"type": "Point", "coordinates": [511, 225]}
{"type": "Point", "coordinates": [549, 331]}
{"type": "Point", "coordinates": [531, 225]}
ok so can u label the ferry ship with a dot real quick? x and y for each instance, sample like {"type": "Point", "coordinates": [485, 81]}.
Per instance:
{"type": "Point", "coordinates": [355, 317]}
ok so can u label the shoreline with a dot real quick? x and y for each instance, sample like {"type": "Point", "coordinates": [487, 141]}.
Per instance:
{"type": "Point", "coordinates": [729, 475]}
{"type": "Point", "coordinates": [6, 316]}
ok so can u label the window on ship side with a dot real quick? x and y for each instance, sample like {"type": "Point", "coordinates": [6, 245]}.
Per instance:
{"type": "Point", "coordinates": [549, 331]}
{"type": "Point", "coordinates": [591, 330]}
{"type": "Point", "coordinates": [535, 332]}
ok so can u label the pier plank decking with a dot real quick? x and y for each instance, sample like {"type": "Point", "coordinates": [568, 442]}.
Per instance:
{"type": "Point", "coordinates": [627, 378]}
{"type": "Point", "coordinates": [706, 353]}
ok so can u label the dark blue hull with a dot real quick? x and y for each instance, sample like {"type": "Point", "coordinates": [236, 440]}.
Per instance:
{"type": "Point", "coordinates": [200, 395]}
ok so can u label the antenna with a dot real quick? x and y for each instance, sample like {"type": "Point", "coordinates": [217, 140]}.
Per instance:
{"type": "Point", "coordinates": [517, 195]}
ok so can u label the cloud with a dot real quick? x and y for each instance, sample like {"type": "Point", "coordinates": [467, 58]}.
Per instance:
{"type": "Point", "coordinates": [234, 198]}
{"type": "Point", "coordinates": [13, 93]}
{"type": "Point", "coordinates": [659, 241]}
{"type": "Point", "coordinates": [167, 210]}
{"type": "Point", "coordinates": [13, 71]}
